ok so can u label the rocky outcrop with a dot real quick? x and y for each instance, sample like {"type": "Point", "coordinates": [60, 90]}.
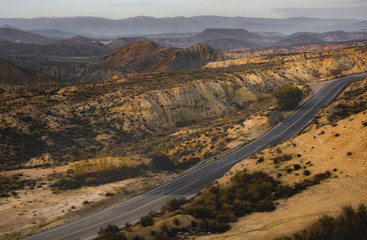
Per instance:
{"type": "Point", "coordinates": [255, 126]}
{"type": "Point", "coordinates": [195, 56]}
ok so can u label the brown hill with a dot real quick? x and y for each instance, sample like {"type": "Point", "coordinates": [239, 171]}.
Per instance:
{"type": "Point", "coordinates": [119, 42]}
{"type": "Point", "coordinates": [146, 56]}
{"type": "Point", "coordinates": [141, 56]}
{"type": "Point", "coordinates": [11, 74]}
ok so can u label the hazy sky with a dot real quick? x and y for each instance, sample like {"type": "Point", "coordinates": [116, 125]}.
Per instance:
{"type": "Point", "coordinates": [118, 9]}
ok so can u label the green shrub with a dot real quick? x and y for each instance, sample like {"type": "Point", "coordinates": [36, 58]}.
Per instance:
{"type": "Point", "coordinates": [104, 174]}
{"type": "Point", "coordinates": [111, 232]}
{"type": "Point", "coordinates": [176, 221]}
{"type": "Point", "coordinates": [350, 224]}
{"type": "Point", "coordinates": [67, 183]}
{"type": "Point", "coordinates": [245, 194]}
{"type": "Point", "coordinates": [162, 162]}
{"type": "Point", "coordinates": [288, 97]}
{"type": "Point", "coordinates": [173, 204]}
{"type": "Point", "coordinates": [188, 163]}
{"type": "Point", "coordinates": [214, 227]}
{"type": "Point", "coordinates": [282, 158]}
{"type": "Point", "coordinates": [147, 220]}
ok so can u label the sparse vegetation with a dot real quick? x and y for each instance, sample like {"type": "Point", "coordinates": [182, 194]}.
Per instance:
{"type": "Point", "coordinates": [217, 206]}
{"type": "Point", "coordinates": [345, 110]}
{"type": "Point", "coordinates": [13, 183]}
{"type": "Point", "coordinates": [220, 205]}
{"type": "Point", "coordinates": [350, 224]}
{"type": "Point", "coordinates": [246, 193]}
{"type": "Point", "coordinates": [95, 173]}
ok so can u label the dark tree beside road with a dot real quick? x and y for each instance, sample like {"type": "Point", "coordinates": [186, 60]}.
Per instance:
{"type": "Point", "coordinates": [288, 97]}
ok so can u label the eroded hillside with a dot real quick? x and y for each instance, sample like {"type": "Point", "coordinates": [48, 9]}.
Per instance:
{"type": "Point", "coordinates": [126, 121]}
{"type": "Point", "coordinates": [281, 189]}
{"type": "Point", "coordinates": [334, 142]}
{"type": "Point", "coordinates": [109, 117]}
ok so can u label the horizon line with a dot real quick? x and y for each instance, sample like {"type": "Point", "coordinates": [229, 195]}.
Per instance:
{"type": "Point", "coordinates": [210, 15]}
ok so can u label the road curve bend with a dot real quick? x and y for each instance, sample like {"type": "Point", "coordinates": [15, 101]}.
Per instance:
{"type": "Point", "coordinates": [199, 177]}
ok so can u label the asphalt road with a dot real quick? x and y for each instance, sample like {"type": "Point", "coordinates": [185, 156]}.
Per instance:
{"type": "Point", "coordinates": [200, 177]}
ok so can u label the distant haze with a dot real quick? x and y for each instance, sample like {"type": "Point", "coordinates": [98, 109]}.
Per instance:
{"type": "Point", "coordinates": [120, 9]}
{"type": "Point", "coordinates": [138, 26]}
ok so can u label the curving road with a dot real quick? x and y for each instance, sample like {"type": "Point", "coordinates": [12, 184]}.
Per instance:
{"type": "Point", "coordinates": [200, 177]}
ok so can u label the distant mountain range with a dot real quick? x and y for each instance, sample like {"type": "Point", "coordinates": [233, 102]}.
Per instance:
{"type": "Point", "coordinates": [64, 58]}
{"type": "Point", "coordinates": [142, 25]}
{"type": "Point", "coordinates": [17, 42]}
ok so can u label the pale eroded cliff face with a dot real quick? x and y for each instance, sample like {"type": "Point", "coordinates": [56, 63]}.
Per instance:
{"type": "Point", "coordinates": [183, 104]}
{"type": "Point", "coordinates": [205, 99]}
{"type": "Point", "coordinates": [314, 66]}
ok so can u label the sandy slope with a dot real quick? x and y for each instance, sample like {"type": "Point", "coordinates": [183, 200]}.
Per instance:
{"type": "Point", "coordinates": [40, 208]}
{"type": "Point", "coordinates": [340, 149]}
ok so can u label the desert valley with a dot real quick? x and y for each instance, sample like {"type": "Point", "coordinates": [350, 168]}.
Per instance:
{"type": "Point", "coordinates": [89, 122]}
